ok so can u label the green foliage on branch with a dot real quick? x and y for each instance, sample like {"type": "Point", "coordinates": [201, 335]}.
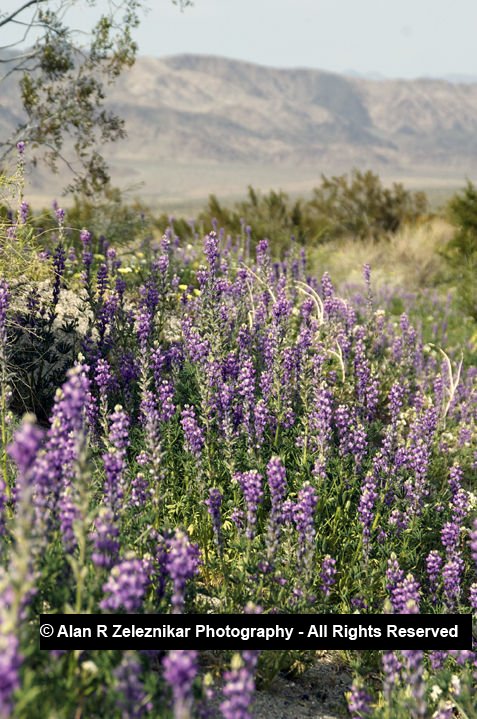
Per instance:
{"type": "Point", "coordinates": [359, 206]}
{"type": "Point", "coordinates": [63, 87]}
{"type": "Point", "coordinates": [461, 251]}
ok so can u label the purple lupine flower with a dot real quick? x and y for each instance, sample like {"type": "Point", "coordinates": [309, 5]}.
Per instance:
{"type": "Point", "coordinates": [85, 237]}
{"type": "Point", "coordinates": [251, 485]}
{"type": "Point", "coordinates": [238, 691]}
{"type": "Point", "coordinates": [103, 377]}
{"type": "Point", "coordinates": [132, 697]}
{"type": "Point", "coordinates": [433, 566]}
{"type": "Point", "coordinates": [473, 596]}
{"type": "Point", "coordinates": [367, 501]}
{"type": "Point", "coordinates": [455, 479]}
{"type": "Point", "coordinates": [261, 418]}
{"type": "Point", "coordinates": [211, 249]}
{"type": "Point", "coordinates": [139, 490]}
{"type": "Point", "coordinates": [304, 518]}
{"type": "Point", "coordinates": [450, 535]}
{"type": "Point", "coordinates": [366, 385]}
{"type": "Point", "coordinates": [414, 677]}
{"type": "Point", "coordinates": [246, 389]}
{"type": "Point", "coordinates": [473, 543]}
{"type": "Point", "coordinates": [451, 577]}
{"type": "Point", "coordinates": [23, 212]}
{"type": "Point", "coordinates": [21, 147]}
{"type": "Point", "coordinates": [238, 518]}
{"type": "Point", "coordinates": [127, 585]}
{"type": "Point", "coordinates": [102, 280]}
{"type": "Point", "coordinates": [277, 483]}
{"type": "Point", "coordinates": [327, 574]}
{"type": "Point", "coordinates": [115, 459]}
{"type": "Point", "coordinates": [17, 582]}
{"type": "Point", "coordinates": [119, 430]}
{"type": "Point", "coordinates": [359, 701]}
{"type": "Point", "coordinates": [321, 414]}
{"type": "Point", "coordinates": [105, 539]}
{"type": "Point", "coordinates": [182, 564]}
{"type": "Point", "coordinates": [165, 393]}
{"type": "Point", "coordinates": [149, 297]}
{"type": "Point", "coordinates": [69, 514]}
{"type": "Point", "coordinates": [10, 663]}
{"type": "Point", "coordinates": [392, 666]}
{"type": "Point", "coordinates": [60, 215]}
{"type": "Point", "coordinates": [193, 434]}
{"type": "Point", "coordinates": [23, 450]}
{"type": "Point", "coordinates": [162, 264]}
{"type": "Point", "coordinates": [180, 671]}
{"type": "Point", "coordinates": [262, 253]}
{"type": "Point", "coordinates": [143, 327]}
{"type": "Point", "coordinates": [404, 591]}
{"type": "Point", "coordinates": [213, 504]}
{"type": "Point", "coordinates": [55, 467]}
{"type": "Point", "coordinates": [351, 433]}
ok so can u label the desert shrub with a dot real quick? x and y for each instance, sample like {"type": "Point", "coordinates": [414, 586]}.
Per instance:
{"type": "Point", "coordinates": [272, 215]}
{"type": "Point", "coordinates": [461, 251]}
{"type": "Point", "coordinates": [360, 206]}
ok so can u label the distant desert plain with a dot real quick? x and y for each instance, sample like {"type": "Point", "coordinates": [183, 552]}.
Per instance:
{"type": "Point", "coordinates": [202, 124]}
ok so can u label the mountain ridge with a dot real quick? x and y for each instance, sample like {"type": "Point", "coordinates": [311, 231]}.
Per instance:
{"type": "Point", "coordinates": [192, 109]}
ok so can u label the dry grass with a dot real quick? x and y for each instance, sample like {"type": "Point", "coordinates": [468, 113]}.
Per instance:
{"type": "Point", "coordinates": [409, 259]}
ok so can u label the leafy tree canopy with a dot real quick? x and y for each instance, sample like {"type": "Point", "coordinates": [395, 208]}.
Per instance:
{"type": "Point", "coordinates": [63, 76]}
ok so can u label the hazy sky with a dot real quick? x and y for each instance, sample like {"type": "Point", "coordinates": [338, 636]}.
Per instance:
{"type": "Point", "coordinates": [396, 38]}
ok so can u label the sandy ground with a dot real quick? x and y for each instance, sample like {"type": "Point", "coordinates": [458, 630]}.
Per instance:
{"type": "Point", "coordinates": [318, 693]}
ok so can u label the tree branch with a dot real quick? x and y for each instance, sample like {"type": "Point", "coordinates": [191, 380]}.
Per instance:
{"type": "Point", "coordinates": [10, 18]}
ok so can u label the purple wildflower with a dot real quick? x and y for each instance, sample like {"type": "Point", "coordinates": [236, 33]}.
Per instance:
{"type": "Point", "coordinates": [367, 501]}
{"type": "Point", "coordinates": [433, 566]}
{"type": "Point", "coordinates": [194, 437]}
{"type": "Point", "coordinates": [105, 539]}
{"type": "Point", "coordinates": [473, 543]}
{"type": "Point", "coordinates": [115, 459]}
{"type": "Point", "coordinates": [127, 585]}
{"type": "Point", "coordinates": [180, 671]}
{"type": "Point", "coordinates": [251, 485]}
{"type": "Point", "coordinates": [23, 212]}
{"type": "Point", "coordinates": [60, 215]}
{"type": "Point", "coordinates": [359, 701]}
{"type": "Point", "coordinates": [211, 249]}
{"type": "Point", "coordinates": [132, 698]}
{"type": "Point", "coordinates": [238, 691]}
{"type": "Point", "coordinates": [451, 576]}
{"type": "Point", "coordinates": [10, 663]}
{"type": "Point", "coordinates": [165, 393]}
{"type": "Point", "coordinates": [304, 518]}
{"type": "Point", "coordinates": [328, 574]}
{"type": "Point", "coordinates": [182, 564]}
{"type": "Point", "coordinates": [404, 591]}
{"type": "Point", "coordinates": [277, 484]}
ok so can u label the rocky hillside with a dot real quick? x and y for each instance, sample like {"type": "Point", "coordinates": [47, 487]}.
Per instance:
{"type": "Point", "coordinates": [214, 111]}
